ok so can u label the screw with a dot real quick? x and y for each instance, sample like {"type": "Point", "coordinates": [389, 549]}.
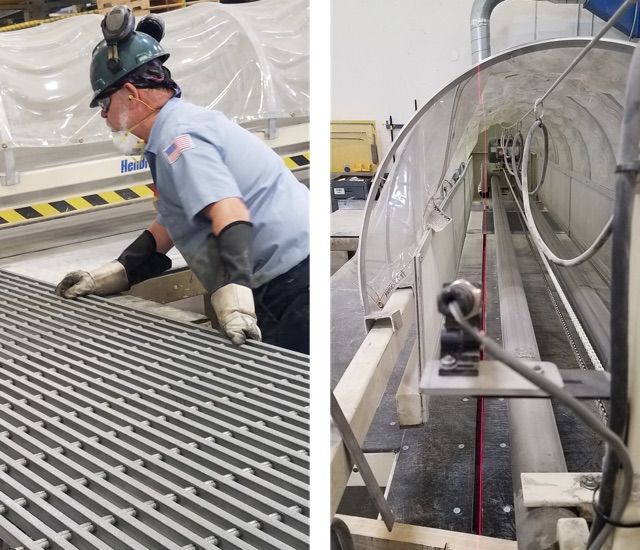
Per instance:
{"type": "Point", "coordinates": [507, 509]}
{"type": "Point", "coordinates": [392, 423]}
{"type": "Point", "coordinates": [405, 448]}
{"type": "Point", "coordinates": [503, 445]}
{"type": "Point", "coordinates": [537, 368]}
{"type": "Point", "coordinates": [465, 399]}
{"type": "Point", "coordinates": [461, 446]}
{"type": "Point", "coordinates": [589, 482]}
{"type": "Point", "coordinates": [456, 510]}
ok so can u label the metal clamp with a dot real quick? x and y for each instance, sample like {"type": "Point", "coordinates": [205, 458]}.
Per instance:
{"type": "Point", "coordinates": [459, 352]}
{"type": "Point", "coordinates": [633, 167]}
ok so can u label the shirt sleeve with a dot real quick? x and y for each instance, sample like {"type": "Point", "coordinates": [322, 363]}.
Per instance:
{"type": "Point", "coordinates": [197, 171]}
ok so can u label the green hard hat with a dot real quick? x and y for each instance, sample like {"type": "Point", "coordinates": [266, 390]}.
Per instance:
{"type": "Point", "coordinates": [135, 51]}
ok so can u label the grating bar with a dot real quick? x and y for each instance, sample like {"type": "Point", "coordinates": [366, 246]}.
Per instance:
{"type": "Point", "coordinates": [292, 365]}
{"type": "Point", "coordinates": [123, 430]}
{"type": "Point", "coordinates": [243, 434]}
{"type": "Point", "coordinates": [171, 353]}
{"type": "Point", "coordinates": [117, 437]}
{"type": "Point", "coordinates": [100, 348]}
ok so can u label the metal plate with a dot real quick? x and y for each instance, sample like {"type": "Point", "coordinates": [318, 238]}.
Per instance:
{"type": "Point", "coordinates": [494, 379]}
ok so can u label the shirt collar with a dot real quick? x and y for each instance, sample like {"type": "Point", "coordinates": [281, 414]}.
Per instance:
{"type": "Point", "coordinates": [156, 130]}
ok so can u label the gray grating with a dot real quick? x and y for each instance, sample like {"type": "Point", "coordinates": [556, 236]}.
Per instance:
{"type": "Point", "coordinates": [123, 430]}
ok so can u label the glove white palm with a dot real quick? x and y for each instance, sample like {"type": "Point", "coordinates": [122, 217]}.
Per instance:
{"type": "Point", "coordinates": [235, 310]}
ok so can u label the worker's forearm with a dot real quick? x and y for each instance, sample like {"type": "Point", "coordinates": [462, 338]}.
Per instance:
{"type": "Point", "coordinates": [225, 212]}
{"type": "Point", "coordinates": [161, 235]}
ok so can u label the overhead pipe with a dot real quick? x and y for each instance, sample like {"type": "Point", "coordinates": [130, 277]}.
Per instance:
{"type": "Point", "coordinates": [480, 26]}
{"type": "Point", "coordinates": [534, 441]}
{"type": "Point", "coordinates": [480, 29]}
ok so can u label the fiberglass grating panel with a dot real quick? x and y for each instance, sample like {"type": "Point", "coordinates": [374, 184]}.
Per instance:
{"type": "Point", "coordinates": [121, 429]}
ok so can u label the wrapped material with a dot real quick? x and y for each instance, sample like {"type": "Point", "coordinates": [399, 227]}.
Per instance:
{"type": "Point", "coordinates": [250, 61]}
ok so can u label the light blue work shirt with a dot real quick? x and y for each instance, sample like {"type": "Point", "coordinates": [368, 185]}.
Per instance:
{"type": "Point", "coordinates": [198, 157]}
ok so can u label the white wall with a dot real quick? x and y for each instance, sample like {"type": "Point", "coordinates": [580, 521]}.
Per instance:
{"type": "Point", "coordinates": [385, 54]}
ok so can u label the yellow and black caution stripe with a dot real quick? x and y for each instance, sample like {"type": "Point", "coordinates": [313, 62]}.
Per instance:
{"type": "Point", "coordinates": [297, 161]}
{"type": "Point", "coordinates": [55, 208]}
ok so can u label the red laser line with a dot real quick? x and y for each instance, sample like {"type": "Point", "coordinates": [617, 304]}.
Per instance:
{"type": "Point", "coordinates": [480, 402]}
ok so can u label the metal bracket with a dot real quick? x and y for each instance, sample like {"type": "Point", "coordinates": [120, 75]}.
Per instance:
{"type": "Point", "coordinates": [633, 167]}
{"type": "Point", "coordinates": [271, 131]}
{"type": "Point", "coordinates": [558, 488]}
{"type": "Point", "coordinates": [11, 175]}
{"type": "Point", "coordinates": [495, 379]}
{"type": "Point", "coordinates": [384, 319]}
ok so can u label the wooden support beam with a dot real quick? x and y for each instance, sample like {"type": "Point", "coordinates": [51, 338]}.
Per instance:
{"type": "Point", "coordinates": [363, 384]}
{"type": "Point", "coordinates": [411, 405]}
{"type": "Point", "coordinates": [371, 534]}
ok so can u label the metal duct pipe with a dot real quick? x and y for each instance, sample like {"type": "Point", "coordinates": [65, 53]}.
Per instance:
{"type": "Point", "coordinates": [593, 314]}
{"type": "Point", "coordinates": [481, 29]}
{"type": "Point", "coordinates": [535, 443]}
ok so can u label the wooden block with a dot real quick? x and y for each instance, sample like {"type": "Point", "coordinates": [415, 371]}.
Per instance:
{"type": "Point", "coordinates": [412, 407]}
{"type": "Point", "coordinates": [161, 6]}
{"type": "Point", "coordinates": [371, 534]}
{"type": "Point", "coordinates": [572, 534]}
{"type": "Point", "coordinates": [362, 385]}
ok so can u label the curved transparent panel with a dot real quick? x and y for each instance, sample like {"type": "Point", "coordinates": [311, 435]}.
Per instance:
{"type": "Point", "coordinates": [445, 144]}
{"type": "Point", "coordinates": [250, 61]}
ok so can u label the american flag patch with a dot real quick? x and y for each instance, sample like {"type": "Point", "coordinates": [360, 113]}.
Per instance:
{"type": "Point", "coordinates": [179, 144]}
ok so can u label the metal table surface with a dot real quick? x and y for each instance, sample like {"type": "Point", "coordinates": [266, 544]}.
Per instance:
{"type": "Point", "coordinates": [120, 429]}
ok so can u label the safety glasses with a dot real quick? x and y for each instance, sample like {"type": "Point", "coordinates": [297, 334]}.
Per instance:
{"type": "Point", "coordinates": [105, 102]}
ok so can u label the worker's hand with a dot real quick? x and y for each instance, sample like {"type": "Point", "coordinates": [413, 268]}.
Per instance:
{"type": "Point", "coordinates": [76, 283]}
{"type": "Point", "coordinates": [108, 279]}
{"type": "Point", "coordinates": [235, 310]}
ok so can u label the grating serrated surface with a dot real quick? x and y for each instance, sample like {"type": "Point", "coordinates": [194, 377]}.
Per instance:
{"type": "Point", "coordinates": [123, 430]}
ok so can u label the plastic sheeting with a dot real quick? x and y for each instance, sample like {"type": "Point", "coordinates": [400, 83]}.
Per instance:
{"type": "Point", "coordinates": [582, 114]}
{"type": "Point", "coordinates": [250, 61]}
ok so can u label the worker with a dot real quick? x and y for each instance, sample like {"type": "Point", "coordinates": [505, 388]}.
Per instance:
{"type": "Point", "coordinates": [225, 199]}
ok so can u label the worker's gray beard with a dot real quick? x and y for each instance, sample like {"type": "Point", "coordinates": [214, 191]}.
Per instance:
{"type": "Point", "coordinates": [126, 142]}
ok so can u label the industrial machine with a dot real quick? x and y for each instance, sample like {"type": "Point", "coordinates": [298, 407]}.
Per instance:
{"type": "Point", "coordinates": [127, 421]}
{"type": "Point", "coordinates": [520, 441]}
{"type": "Point", "coordinates": [349, 192]}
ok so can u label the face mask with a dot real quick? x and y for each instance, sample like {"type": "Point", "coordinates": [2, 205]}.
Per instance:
{"type": "Point", "coordinates": [128, 143]}
{"type": "Point", "coordinates": [124, 140]}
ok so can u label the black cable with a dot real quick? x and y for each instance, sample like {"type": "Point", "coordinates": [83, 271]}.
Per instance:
{"type": "Point", "coordinates": [616, 445]}
{"type": "Point", "coordinates": [618, 364]}
{"type": "Point", "coordinates": [620, 251]}
{"type": "Point", "coordinates": [608, 519]}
